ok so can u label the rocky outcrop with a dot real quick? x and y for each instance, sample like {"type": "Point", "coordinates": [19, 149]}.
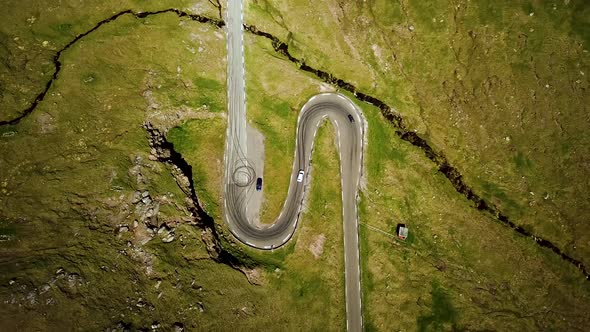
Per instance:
{"type": "Point", "coordinates": [182, 171]}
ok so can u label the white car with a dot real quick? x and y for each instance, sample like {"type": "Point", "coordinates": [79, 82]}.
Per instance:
{"type": "Point", "coordinates": [300, 175]}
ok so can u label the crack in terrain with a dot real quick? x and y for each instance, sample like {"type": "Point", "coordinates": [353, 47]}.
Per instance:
{"type": "Point", "coordinates": [444, 167]}
{"type": "Point", "coordinates": [56, 58]}
{"type": "Point", "coordinates": [165, 153]}
{"type": "Point", "coordinates": [280, 47]}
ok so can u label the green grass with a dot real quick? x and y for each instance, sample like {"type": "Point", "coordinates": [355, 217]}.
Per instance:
{"type": "Point", "coordinates": [67, 171]}
{"type": "Point", "coordinates": [443, 316]}
{"type": "Point", "coordinates": [470, 75]}
{"type": "Point", "coordinates": [200, 139]}
{"type": "Point", "coordinates": [494, 193]}
{"type": "Point", "coordinates": [67, 166]}
{"type": "Point", "coordinates": [580, 23]}
{"type": "Point", "coordinates": [387, 12]}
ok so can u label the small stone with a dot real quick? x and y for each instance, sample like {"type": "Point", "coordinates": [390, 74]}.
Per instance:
{"type": "Point", "coordinates": [11, 282]}
{"type": "Point", "coordinates": [145, 194]}
{"type": "Point", "coordinates": [531, 13]}
{"type": "Point", "coordinates": [411, 28]}
{"type": "Point", "coordinates": [44, 289]}
{"type": "Point", "coordinates": [135, 224]}
{"type": "Point", "coordinates": [178, 327]}
{"type": "Point", "coordinates": [146, 200]}
{"type": "Point", "coordinates": [168, 238]}
{"type": "Point", "coordinates": [45, 43]}
{"type": "Point", "coordinates": [136, 197]}
{"type": "Point", "coordinates": [123, 229]}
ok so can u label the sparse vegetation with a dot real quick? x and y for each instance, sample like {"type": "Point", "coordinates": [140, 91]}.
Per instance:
{"type": "Point", "coordinates": [482, 91]}
{"type": "Point", "coordinates": [499, 87]}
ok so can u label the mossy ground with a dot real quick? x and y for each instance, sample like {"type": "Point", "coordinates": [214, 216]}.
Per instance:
{"type": "Point", "coordinates": [517, 135]}
{"type": "Point", "coordinates": [499, 87]}
{"type": "Point", "coordinates": [69, 170]}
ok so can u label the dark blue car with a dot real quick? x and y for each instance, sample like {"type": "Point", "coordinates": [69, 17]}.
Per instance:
{"type": "Point", "coordinates": [258, 184]}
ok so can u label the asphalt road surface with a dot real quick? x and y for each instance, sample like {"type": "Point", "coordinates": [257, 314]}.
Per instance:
{"type": "Point", "coordinates": [240, 174]}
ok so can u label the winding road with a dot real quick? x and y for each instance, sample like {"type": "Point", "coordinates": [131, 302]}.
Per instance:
{"type": "Point", "coordinates": [240, 175]}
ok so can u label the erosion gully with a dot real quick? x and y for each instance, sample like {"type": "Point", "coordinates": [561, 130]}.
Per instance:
{"type": "Point", "coordinates": [280, 47]}
{"type": "Point", "coordinates": [168, 155]}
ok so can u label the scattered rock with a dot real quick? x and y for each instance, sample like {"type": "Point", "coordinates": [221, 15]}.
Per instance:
{"type": "Point", "coordinates": [208, 239]}
{"type": "Point", "coordinates": [44, 289]}
{"type": "Point", "coordinates": [45, 122]}
{"type": "Point", "coordinates": [441, 266]}
{"type": "Point", "coordinates": [144, 258]}
{"type": "Point", "coordinates": [120, 327]}
{"type": "Point", "coordinates": [163, 230]}
{"type": "Point", "coordinates": [245, 311]}
{"type": "Point", "coordinates": [136, 197]}
{"type": "Point", "coordinates": [74, 280]}
{"type": "Point", "coordinates": [317, 246]}
{"type": "Point", "coordinates": [254, 276]}
{"type": "Point", "coordinates": [155, 325]}
{"type": "Point", "coordinates": [178, 327]}
{"type": "Point", "coordinates": [32, 298]}
{"type": "Point", "coordinates": [123, 229]}
{"type": "Point", "coordinates": [168, 238]}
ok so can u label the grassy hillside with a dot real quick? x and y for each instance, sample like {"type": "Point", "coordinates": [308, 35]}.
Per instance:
{"type": "Point", "coordinates": [97, 224]}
